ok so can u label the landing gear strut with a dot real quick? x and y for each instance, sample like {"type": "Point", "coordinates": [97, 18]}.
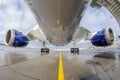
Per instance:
{"type": "Point", "coordinates": [74, 50]}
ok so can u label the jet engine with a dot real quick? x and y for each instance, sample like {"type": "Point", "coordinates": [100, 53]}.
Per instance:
{"type": "Point", "coordinates": [15, 38]}
{"type": "Point", "coordinates": [105, 37]}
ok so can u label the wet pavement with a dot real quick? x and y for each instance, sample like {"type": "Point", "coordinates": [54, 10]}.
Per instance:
{"type": "Point", "coordinates": [28, 64]}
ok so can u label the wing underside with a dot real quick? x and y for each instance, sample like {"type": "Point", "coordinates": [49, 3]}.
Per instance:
{"type": "Point", "coordinates": [113, 6]}
{"type": "Point", "coordinates": [81, 33]}
{"type": "Point", "coordinates": [36, 33]}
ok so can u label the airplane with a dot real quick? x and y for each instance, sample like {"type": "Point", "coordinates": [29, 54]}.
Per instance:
{"type": "Point", "coordinates": [58, 24]}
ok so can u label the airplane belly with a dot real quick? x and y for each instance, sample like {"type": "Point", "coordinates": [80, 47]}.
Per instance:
{"type": "Point", "coordinates": [58, 18]}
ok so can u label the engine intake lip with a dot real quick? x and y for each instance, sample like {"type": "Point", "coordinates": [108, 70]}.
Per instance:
{"type": "Point", "coordinates": [10, 36]}
{"type": "Point", "coordinates": [109, 35]}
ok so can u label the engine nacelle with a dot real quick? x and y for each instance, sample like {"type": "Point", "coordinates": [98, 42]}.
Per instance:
{"type": "Point", "coordinates": [104, 37]}
{"type": "Point", "coordinates": [16, 38]}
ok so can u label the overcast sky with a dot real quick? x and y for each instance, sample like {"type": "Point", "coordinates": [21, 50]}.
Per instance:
{"type": "Point", "coordinates": [16, 14]}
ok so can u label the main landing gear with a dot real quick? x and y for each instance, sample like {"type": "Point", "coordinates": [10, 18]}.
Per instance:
{"type": "Point", "coordinates": [74, 50]}
{"type": "Point", "coordinates": [44, 51]}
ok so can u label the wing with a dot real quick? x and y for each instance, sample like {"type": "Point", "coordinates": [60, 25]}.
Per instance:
{"type": "Point", "coordinates": [81, 33]}
{"type": "Point", "coordinates": [36, 33]}
{"type": "Point", "coordinates": [113, 6]}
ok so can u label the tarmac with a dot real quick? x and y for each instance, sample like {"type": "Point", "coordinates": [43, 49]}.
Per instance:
{"type": "Point", "coordinates": [29, 64]}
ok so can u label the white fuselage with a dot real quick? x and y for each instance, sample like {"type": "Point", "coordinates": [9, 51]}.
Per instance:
{"type": "Point", "coordinates": [58, 19]}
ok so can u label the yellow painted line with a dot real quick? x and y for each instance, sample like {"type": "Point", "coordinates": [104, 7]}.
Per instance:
{"type": "Point", "coordinates": [60, 71]}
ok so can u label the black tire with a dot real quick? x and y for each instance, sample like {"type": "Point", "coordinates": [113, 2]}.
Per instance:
{"type": "Point", "coordinates": [44, 51]}
{"type": "Point", "coordinates": [74, 50]}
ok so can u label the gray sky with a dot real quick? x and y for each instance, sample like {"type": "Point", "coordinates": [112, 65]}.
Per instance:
{"type": "Point", "coordinates": [16, 14]}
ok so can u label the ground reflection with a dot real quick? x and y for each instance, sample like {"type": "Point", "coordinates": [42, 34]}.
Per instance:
{"type": "Point", "coordinates": [30, 65]}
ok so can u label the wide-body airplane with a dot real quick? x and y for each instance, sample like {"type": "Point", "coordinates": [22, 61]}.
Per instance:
{"type": "Point", "coordinates": [58, 24]}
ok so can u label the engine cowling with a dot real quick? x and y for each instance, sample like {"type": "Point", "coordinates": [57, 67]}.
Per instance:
{"type": "Point", "coordinates": [104, 37]}
{"type": "Point", "coordinates": [16, 38]}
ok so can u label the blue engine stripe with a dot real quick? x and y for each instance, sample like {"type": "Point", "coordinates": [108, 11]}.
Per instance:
{"type": "Point", "coordinates": [99, 39]}
{"type": "Point", "coordinates": [20, 40]}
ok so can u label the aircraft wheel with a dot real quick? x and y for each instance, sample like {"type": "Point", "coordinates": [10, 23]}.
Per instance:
{"type": "Point", "coordinates": [44, 51]}
{"type": "Point", "coordinates": [74, 50]}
